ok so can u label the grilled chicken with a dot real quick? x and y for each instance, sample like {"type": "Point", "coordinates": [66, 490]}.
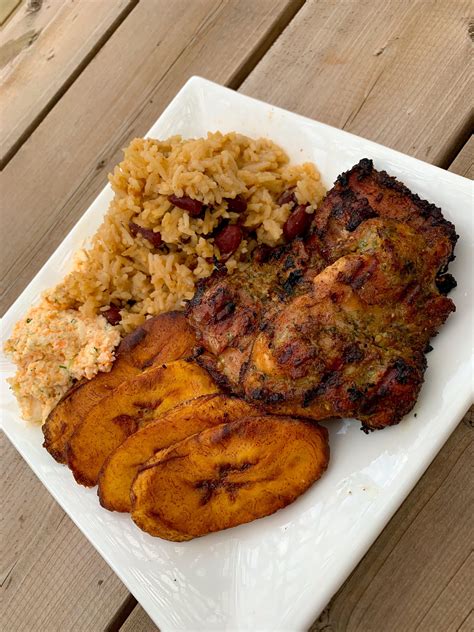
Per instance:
{"type": "Point", "coordinates": [335, 325]}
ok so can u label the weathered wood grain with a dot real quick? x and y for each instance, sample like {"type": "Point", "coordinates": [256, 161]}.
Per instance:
{"type": "Point", "coordinates": [396, 72]}
{"type": "Point", "coordinates": [454, 605]}
{"type": "Point", "coordinates": [468, 624]}
{"type": "Point", "coordinates": [42, 48]}
{"type": "Point", "coordinates": [51, 577]}
{"type": "Point", "coordinates": [57, 173]}
{"type": "Point", "coordinates": [138, 621]}
{"type": "Point", "coordinates": [463, 165]}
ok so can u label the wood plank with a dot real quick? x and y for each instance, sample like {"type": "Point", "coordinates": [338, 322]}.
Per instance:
{"type": "Point", "coordinates": [51, 577]}
{"type": "Point", "coordinates": [138, 621]}
{"type": "Point", "coordinates": [454, 605]}
{"type": "Point", "coordinates": [42, 49]}
{"type": "Point", "coordinates": [67, 157]}
{"type": "Point", "coordinates": [396, 72]}
{"type": "Point", "coordinates": [463, 165]}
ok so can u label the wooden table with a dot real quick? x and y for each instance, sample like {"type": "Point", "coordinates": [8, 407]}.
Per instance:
{"type": "Point", "coordinates": [79, 80]}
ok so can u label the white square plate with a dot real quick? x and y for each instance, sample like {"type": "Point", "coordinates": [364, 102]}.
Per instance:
{"type": "Point", "coordinates": [277, 573]}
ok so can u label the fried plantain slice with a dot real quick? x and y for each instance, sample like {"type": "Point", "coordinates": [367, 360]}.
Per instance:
{"type": "Point", "coordinates": [228, 475]}
{"type": "Point", "coordinates": [161, 339]}
{"type": "Point", "coordinates": [121, 467]}
{"type": "Point", "coordinates": [133, 404]}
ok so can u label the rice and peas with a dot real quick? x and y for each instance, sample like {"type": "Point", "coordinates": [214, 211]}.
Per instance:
{"type": "Point", "coordinates": [175, 201]}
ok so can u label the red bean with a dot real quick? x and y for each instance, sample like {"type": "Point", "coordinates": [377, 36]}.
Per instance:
{"type": "Point", "coordinates": [193, 207]}
{"type": "Point", "coordinates": [286, 197]}
{"type": "Point", "coordinates": [112, 315]}
{"type": "Point", "coordinates": [154, 238]}
{"type": "Point", "coordinates": [298, 223]}
{"type": "Point", "coordinates": [228, 239]}
{"type": "Point", "coordinates": [237, 204]}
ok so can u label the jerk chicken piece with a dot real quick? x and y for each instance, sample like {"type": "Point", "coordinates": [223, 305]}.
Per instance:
{"type": "Point", "coordinates": [337, 324]}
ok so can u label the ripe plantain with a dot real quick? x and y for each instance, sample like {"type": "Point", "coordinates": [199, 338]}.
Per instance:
{"type": "Point", "coordinates": [121, 467]}
{"type": "Point", "coordinates": [133, 404]}
{"type": "Point", "coordinates": [161, 339]}
{"type": "Point", "coordinates": [228, 475]}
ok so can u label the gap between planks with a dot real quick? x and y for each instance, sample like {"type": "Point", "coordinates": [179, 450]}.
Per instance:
{"type": "Point", "coordinates": [69, 80]}
{"type": "Point", "coordinates": [273, 34]}
{"type": "Point", "coordinates": [234, 82]}
{"type": "Point", "coordinates": [396, 73]}
{"type": "Point", "coordinates": [122, 614]}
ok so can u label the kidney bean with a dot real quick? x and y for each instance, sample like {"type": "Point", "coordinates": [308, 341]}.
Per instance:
{"type": "Point", "coordinates": [237, 204]}
{"type": "Point", "coordinates": [193, 207]}
{"type": "Point", "coordinates": [223, 223]}
{"type": "Point", "coordinates": [297, 224]}
{"type": "Point", "coordinates": [112, 315]}
{"type": "Point", "coordinates": [286, 197]}
{"type": "Point", "coordinates": [228, 239]}
{"type": "Point", "coordinates": [154, 238]}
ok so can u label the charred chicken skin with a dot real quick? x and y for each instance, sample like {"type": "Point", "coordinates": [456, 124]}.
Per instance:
{"type": "Point", "coordinates": [337, 324]}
